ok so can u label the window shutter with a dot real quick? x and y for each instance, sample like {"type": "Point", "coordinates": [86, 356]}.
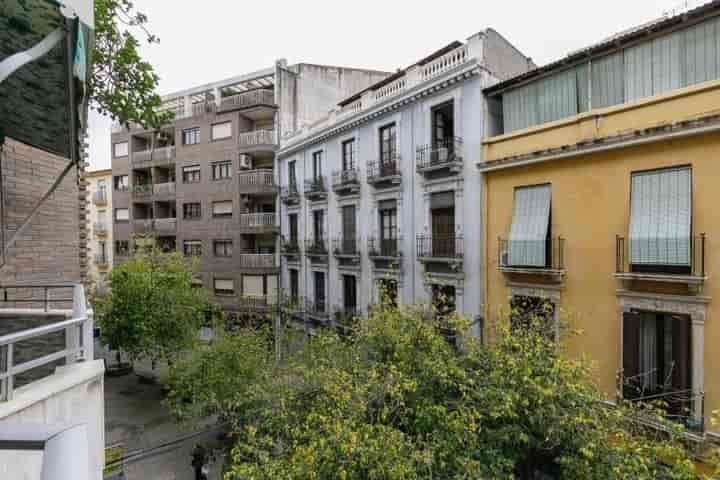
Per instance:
{"type": "Point", "coordinates": [557, 96]}
{"type": "Point", "coordinates": [222, 130]}
{"type": "Point", "coordinates": [253, 286]}
{"type": "Point", "coordinates": [122, 214]}
{"type": "Point", "coordinates": [224, 285]}
{"type": "Point", "coordinates": [667, 64]}
{"type": "Point", "coordinates": [222, 208]}
{"type": "Point", "coordinates": [607, 81]}
{"type": "Point", "coordinates": [660, 216]}
{"type": "Point", "coordinates": [638, 72]}
{"type": "Point", "coordinates": [530, 226]}
{"type": "Point", "coordinates": [387, 205]}
{"type": "Point", "coordinates": [701, 52]}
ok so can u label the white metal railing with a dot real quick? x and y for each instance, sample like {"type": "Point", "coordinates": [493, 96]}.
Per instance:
{"type": "Point", "coordinates": [257, 137]}
{"type": "Point", "coordinates": [163, 153]}
{"type": "Point", "coordinates": [392, 88]}
{"type": "Point", "coordinates": [101, 228]}
{"type": "Point", "coordinates": [257, 178]}
{"type": "Point", "coordinates": [446, 62]}
{"type": "Point", "coordinates": [78, 335]}
{"type": "Point", "coordinates": [252, 220]}
{"type": "Point", "coordinates": [248, 99]}
{"type": "Point", "coordinates": [257, 260]}
{"type": "Point", "coordinates": [167, 188]}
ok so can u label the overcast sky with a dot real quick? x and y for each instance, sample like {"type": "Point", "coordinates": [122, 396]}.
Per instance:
{"type": "Point", "coordinates": [203, 41]}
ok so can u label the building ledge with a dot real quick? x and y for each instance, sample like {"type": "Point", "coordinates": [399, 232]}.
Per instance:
{"type": "Point", "coordinates": [691, 280]}
{"type": "Point", "coordinates": [553, 274]}
{"type": "Point", "coordinates": [454, 167]}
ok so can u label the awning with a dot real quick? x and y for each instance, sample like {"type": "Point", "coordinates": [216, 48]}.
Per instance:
{"type": "Point", "coordinates": [660, 216]}
{"type": "Point", "coordinates": [530, 224]}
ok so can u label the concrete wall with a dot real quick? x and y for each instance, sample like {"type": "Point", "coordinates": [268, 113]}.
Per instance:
{"type": "Point", "coordinates": [502, 58]}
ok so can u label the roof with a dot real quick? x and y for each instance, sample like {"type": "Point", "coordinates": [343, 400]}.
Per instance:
{"type": "Point", "coordinates": [448, 48]}
{"type": "Point", "coordinates": [625, 38]}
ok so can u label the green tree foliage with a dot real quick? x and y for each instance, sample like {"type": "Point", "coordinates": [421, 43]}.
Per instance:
{"type": "Point", "coordinates": [397, 400]}
{"type": "Point", "coordinates": [152, 309]}
{"type": "Point", "coordinates": [122, 84]}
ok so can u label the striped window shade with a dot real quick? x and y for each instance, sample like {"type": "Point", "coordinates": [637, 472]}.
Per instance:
{"type": "Point", "coordinates": [660, 215]}
{"type": "Point", "coordinates": [530, 226]}
{"type": "Point", "coordinates": [253, 286]}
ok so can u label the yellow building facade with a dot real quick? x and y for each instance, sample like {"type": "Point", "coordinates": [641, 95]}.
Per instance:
{"type": "Point", "coordinates": [611, 214]}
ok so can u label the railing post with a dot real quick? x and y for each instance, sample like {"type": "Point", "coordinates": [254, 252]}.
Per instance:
{"type": "Point", "coordinates": [6, 365]}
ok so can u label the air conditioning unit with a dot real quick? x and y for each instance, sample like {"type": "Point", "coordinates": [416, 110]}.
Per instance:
{"type": "Point", "coordinates": [245, 161]}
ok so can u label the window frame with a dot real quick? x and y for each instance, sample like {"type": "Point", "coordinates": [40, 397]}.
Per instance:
{"type": "Point", "coordinates": [220, 167]}
{"type": "Point", "coordinates": [223, 292]}
{"type": "Point", "coordinates": [127, 149]}
{"type": "Point", "coordinates": [222, 215]}
{"type": "Point", "coordinates": [388, 147]}
{"type": "Point", "coordinates": [218, 124]}
{"type": "Point", "coordinates": [115, 215]}
{"type": "Point", "coordinates": [195, 172]}
{"type": "Point", "coordinates": [119, 251]}
{"type": "Point", "coordinates": [224, 243]}
{"type": "Point", "coordinates": [348, 155]}
{"type": "Point", "coordinates": [124, 184]}
{"type": "Point", "coordinates": [189, 252]}
{"type": "Point", "coordinates": [317, 160]}
{"type": "Point", "coordinates": [195, 131]}
{"type": "Point", "coordinates": [189, 207]}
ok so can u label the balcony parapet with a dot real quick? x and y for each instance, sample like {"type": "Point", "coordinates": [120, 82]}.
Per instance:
{"type": "Point", "coordinates": [290, 195]}
{"type": "Point", "coordinates": [258, 140]}
{"type": "Point", "coordinates": [385, 249]}
{"type": "Point", "coordinates": [512, 255]}
{"type": "Point", "coordinates": [315, 188]}
{"type": "Point", "coordinates": [260, 181]}
{"type": "Point", "coordinates": [346, 182]}
{"type": "Point", "coordinates": [254, 98]}
{"type": "Point", "coordinates": [384, 173]}
{"type": "Point", "coordinates": [441, 249]}
{"type": "Point", "coordinates": [348, 248]}
{"type": "Point", "coordinates": [258, 261]}
{"type": "Point", "coordinates": [445, 155]}
{"type": "Point", "coordinates": [258, 222]}
{"type": "Point", "coordinates": [100, 229]}
{"type": "Point", "coordinates": [164, 154]}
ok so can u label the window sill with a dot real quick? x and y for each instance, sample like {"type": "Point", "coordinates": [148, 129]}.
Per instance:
{"type": "Point", "coordinates": [224, 294]}
{"type": "Point", "coordinates": [661, 277]}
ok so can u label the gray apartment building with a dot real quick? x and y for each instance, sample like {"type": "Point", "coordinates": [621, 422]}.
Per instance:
{"type": "Point", "coordinates": [206, 184]}
{"type": "Point", "coordinates": [383, 195]}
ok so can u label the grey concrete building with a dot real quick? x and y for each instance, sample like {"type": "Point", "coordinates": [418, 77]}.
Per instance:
{"type": "Point", "coordinates": [206, 184]}
{"type": "Point", "coordinates": [383, 194]}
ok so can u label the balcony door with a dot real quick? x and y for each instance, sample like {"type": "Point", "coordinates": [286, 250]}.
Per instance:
{"type": "Point", "coordinates": [349, 293]}
{"type": "Point", "coordinates": [348, 155]}
{"type": "Point", "coordinates": [442, 219]}
{"type": "Point", "coordinates": [319, 225]}
{"type": "Point", "coordinates": [319, 278]}
{"type": "Point", "coordinates": [388, 228]}
{"type": "Point", "coordinates": [294, 286]}
{"type": "Point", "coordinates": [292, 177]}
{"type": "Point", "coordinates": [293, 228]}
{"type": "Point", "coordinates": [349, 229]}
{"type": "Point", "coordinates": [443, 127]}
{"type": "Point", "coordinates": [388, 149]}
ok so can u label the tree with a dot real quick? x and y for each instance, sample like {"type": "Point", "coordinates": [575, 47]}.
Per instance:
{"type": "Point", "coordinates": [122, 84]}
{"type": "Point", "coordinates": [397, 400]}
{"type": "Point", "coordinates": [152, 309]}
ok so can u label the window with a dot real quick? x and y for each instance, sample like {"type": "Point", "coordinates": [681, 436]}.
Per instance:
{"type": "Point", "coordinates": [224, 286]}
{"type": "Point", "coordinates": [319, 281]}
{"type": "Point", "coordinates": [192, 211]}
{"type": "Point", "coordinates": [121, 183]}
{"type": "Point", "coordinates": [317, 165]}
{"type": "Point", "coordinates": [223, 248]}
{"type": "Point", "coordinates": [293, 219]}
{"type": "Point", "coordinates": [292, 178]}
{"type": "Point", "coordinates": [102, 187]}
{"type": "Point", "coordinates": [530, 230]}
{"type": "Point", "coordinates": [191, 136]}
{"type": "Point", "coordinates": [349, 243]}
{"type": "Point", "coordinates": [222, 209]}
{"type": "Point", "coordinates": [122, 215]}
{"type": "Point", "coordinates": [318, 224]}
{"type": "Point", "coordinates": [221, 131]}
{"type": "Point", "coordinates": [294, 285]}
{"type": "Point", "coordinates": [660, 221]}
{"type": "Point", "coordinates": [122, 248]}
{"type": "Point", "coordinates": [349, 293]}
{"type": "Point", "coordinates": [191, 174]}
{"type": "Point", "coordinates": [192, 248]}
{"type": "Point", "coordinates": [442, 218]}
{"type": "Point", "coordinates": [388, 228]}
{"type": "Point", "coordinates": [443, 124]}
{"type": "Point", "coordinates": [120, 149]}
{"type": "Point", "coordinates": [221, 170]}
{"type": "Point", "coordinates": [388, 144]}
{"type": "Point", "coordinates": [348, 155]}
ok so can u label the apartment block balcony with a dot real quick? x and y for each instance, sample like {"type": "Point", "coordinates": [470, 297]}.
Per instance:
{"type": "Point", "coordinates": [165, 226]}
{"type": "Point", "coordinates": [316, 248]}
{"type": "Point", "coordinates": [257, 140]}
{"type": "Point", "coordinates": [441, 157]}
{"type": "Point", "coordinates": [290, 195]}
{"type": "Point", "coordinates": [100, 198]}
{"type": "Point", "coordinates": [142, 226]}
{"type": "Point", "coordinates": [166, 189]}
{"type": "Point", "coordinates": [289, 247]}
{"type": "Point", "coordinates": [260, 182]}
{"type": "Point", "coordinates": [317, 310]}
{"type": "Point", "coordinates": [162, 155]}
{"type": "Point", "coordinates": [248, 100]}
{"type": "Point", "coordinates": [258, 262]}
{"type": "Point", "coordinates": [100, 229]}
{"type": "Point", "coordinates": [258, 303]}
{"type": "Point", "coordinates": [346, 182]}
{"type": "Point", "coordinates": [662, 260]}
{"type": "Point", "coordinates": [385, 249]}
{"type": "Point", "coordinates": [102, 261]}
{"type": "Point", "coordinates": [258, 223]}
{"type": "Point", "coordinates": [315, 188]}
{"type": "Point", "coordinates": [440, 249]}
{"type": "Point", "coordinates": [384, 173]}
{"type": "Point", "coordinates": [541, 258]}
{"type": "Point", "coordinates": [347, 248]}
{"type": "Point", "coordinates": [141, 191]}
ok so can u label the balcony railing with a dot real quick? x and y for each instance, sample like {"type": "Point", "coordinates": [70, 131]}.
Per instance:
{"type": "Point", "coordinates": [259, 303]}
{"type": "Point", "coordinates": [102, 260]}
{"type": "Point", "coordinates": [142, 225]}
{"type": "Point", "coordinates": [672, 260]}
{"type": "Point", "coordinates": [346, 181]}
{"type": "Point", "coordinates": [290, 246]}
{"type": "Point", "coordinates": [439, 247]}
{"type": "Point", "coordinates": [290, 194]}
{"type": "Point", "coordinates": [384, 247]}
{"type": "Point", "coordinates": [316, 247]}
{"type": "Point", "coordinates": [346, 316]}
{"type": "Point", "coordinates": [257, 220]}
{"type": "Point", "coordinates": [346, 247]}
{"type": "Point", "coordinates": [317, 308]}
{"type": "Point", "coordinates": [141, 190]}
{"type": "Point", "coordinates": [100, 198]}
{"type": "Point", "coordinates": [257, 138]}
{"type": "Point", "coordinates": [167, 188]}
{"type": "Point", "coordinates": [257, 260]}
{"type": "Point", "coordinates": [100, 228]}
{"type": "Point", "coordinates": [165, 225]}
{"type": "Point", "coordinates": [532, 256]}
{"type": "Point", "coordinates": [315, 188]}
{"type": "Point", "coordinates": [161, 154]}
{"type": "Point", "coordinates": [257, 181]}
{"type": "Point", "coordinates": [442, 154]}
{"type": "Point", "coordinates": [387, 170]}
{"type": "Point", "coordinates": [77, 327]}
{"type": "Point", "coordinates": [248, 99]}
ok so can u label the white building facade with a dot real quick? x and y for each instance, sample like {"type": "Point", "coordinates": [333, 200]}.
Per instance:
{"type": "Point", "coordinates": [100, 241]}
{"type": "Point", "coordinates": [384, 195]}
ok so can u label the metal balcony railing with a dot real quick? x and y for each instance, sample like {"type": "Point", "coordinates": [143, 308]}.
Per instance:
{"type": "Point", "coordinates": [528, 254]}
{"type": "Point", "coordinates": [257, 220]}
{"type": "Point", "coordinates": [257, 138]}
{"type": "Point", "coordinates": [78, 328]}
{"type": "Point", "coordinates": [162, 154]}
{"type": "Point", "coordinates": [100, 198]}
{"type": "Point", "coordinates": [290, 194]}
{"type": "Point", "coordinates": [440, 246]}
{"type": "Point", "coordinates": [248, 99]}
{"type": "Point", "coordinates": [317, 307]}
{"type": "Point", "coordinates": [439, 154]}
{"type": "Point", "coordinates": [346, 316]}
{"type": "Point", "coordinates": [662, 256]}
{"type": "Point", "coordinates": [290, 246]}
{"type": "Point", "coordinates": [100, 228]}
{"type": "Point", "coordinates": [101, 260]}
{"type": "Point", "coordinates": [258, 302]}
{"type": "Point", "coordinates": [316, 246]}
{"type": "Point", "coordinates": [384, 170]}
{"type": "Point", "coordinates": [315, 186]}
{"type": "Point", "coordinates": [257, 260]}
{"type": "Point", "coordinates": [343, 179]}
{"type": "Point", "coordinates": [384, 247]}
{"type": "Point", "coordinates": [346, 246]}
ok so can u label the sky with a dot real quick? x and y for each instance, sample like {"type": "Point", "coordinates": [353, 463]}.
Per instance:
{"type": "Point", "coordinates": [208, 40]}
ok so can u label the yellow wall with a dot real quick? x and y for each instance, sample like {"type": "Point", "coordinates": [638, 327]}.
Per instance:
{"type": "Point", "coordinates": [590, 206]}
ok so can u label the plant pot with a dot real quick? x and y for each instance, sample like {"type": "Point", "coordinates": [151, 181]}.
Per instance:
{"type": "Point", "coordinates": [118, 369]}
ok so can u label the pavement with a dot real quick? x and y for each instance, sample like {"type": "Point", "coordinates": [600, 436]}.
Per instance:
{"type": "Point", "coordinates": [136, 418]}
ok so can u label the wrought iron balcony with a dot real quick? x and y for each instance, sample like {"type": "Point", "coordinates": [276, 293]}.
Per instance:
{"type": "Point", "coordinates": [257, 261]}
{"type": "Point", "coordinates": [384, 248]}
{"type": "Point", "coordinates": [258, 140]}
{"type": "Point", "coordinates": [315, 188]}
{"type": "Point", "coordinates": [100, 198]}
{"type": "Point", "coordinates": [532, 257]}
{"type": "Point", "coordinates": [260, 181]}
{"type": "Point", "coordinates": [384, 172]}
{"type": "Point", "coordinates": [100, 229]}
{"type": "Point", "coordinates": [660, 260]}
{"type": "Point", "coordinates": [101, 260]}
{"type": "Point", "coordinates": [251, 99]}
{"type": "Point", "coordinates": [159, 155]}
{"type": "Point", "coordinates": [258, 222]}
{"type": "Point", "coordinates": [346, 247]}
{"type": "Point", "coordinates": [290, 195]}
{"type": "Point", "coordinates": [346, 318]}
{"type": "Point", "coordinates": [290, 247]}
{"type": "Point", "coordinates": [317, 309]}
{"type": "Point", "coordinates": [440, 248]}
{"type": "Point", "coordinates": [346, 182]}
{"type": "Point", "coordinates": [260, 303]}
{"type": "Point", "coordinates": [316, 247]}
{"type": "Point", "coordinates": [441, 155]}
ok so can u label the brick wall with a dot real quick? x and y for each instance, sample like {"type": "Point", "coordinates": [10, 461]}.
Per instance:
{"type": "Point", "coordinates": [51, 250]}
